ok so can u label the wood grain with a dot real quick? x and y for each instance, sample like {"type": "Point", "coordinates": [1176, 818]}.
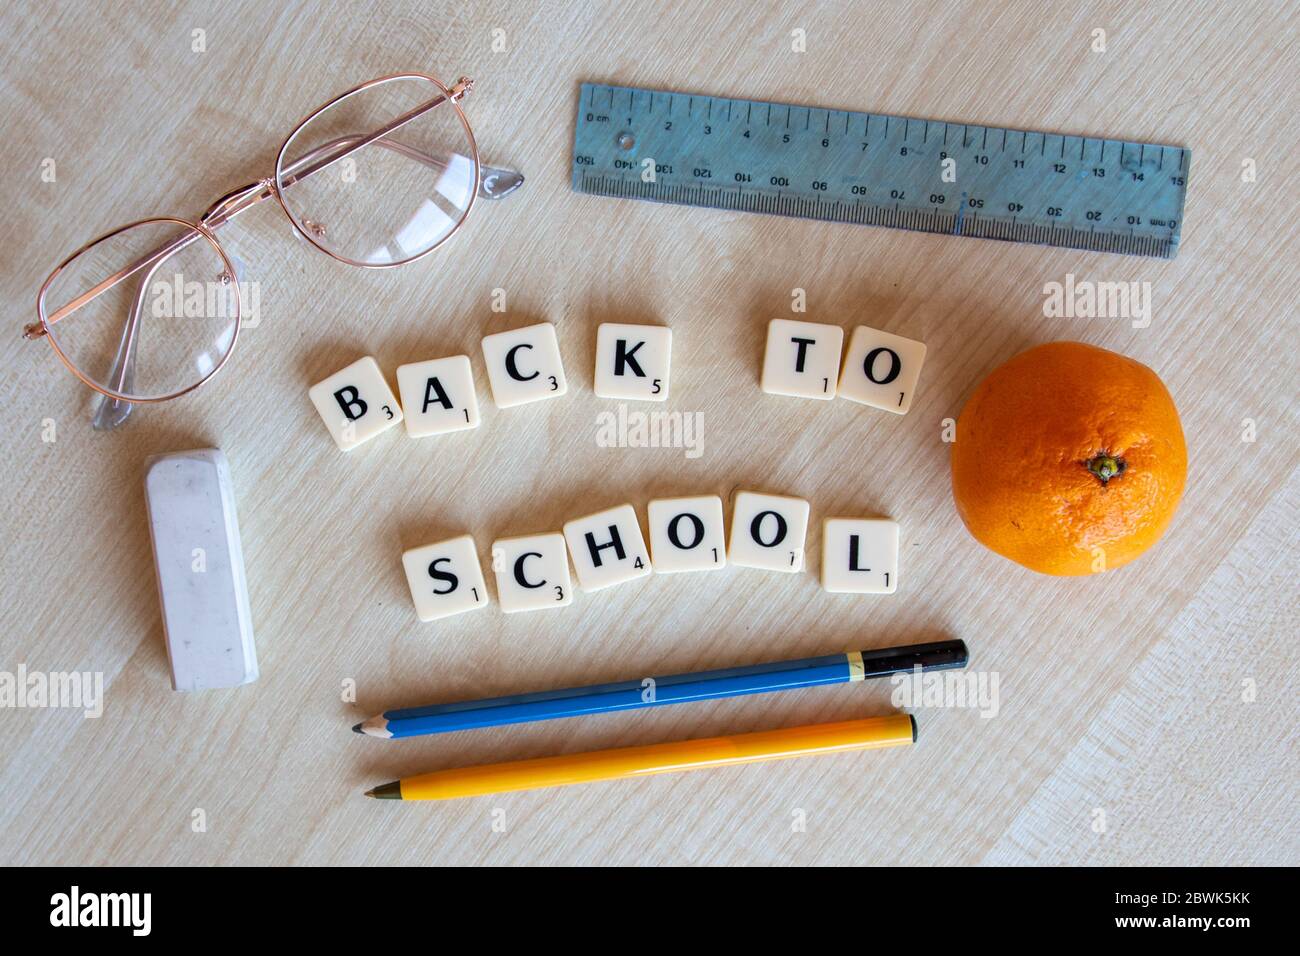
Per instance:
{"type": "Point", "coordinates": [1162, 695]}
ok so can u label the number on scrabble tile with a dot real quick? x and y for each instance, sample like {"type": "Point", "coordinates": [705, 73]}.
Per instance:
{"type": "Point", "coordinates": [686, 534]}
{"type": "Point", "coordinates": [532, 573]}
{"type": "Point", "coordinates": [633, 361]}
{"type": "Point", "coordinates": [860, 556]}
{"type": "Point", "coordinates": [445, 578]}
{"type": "Point", "coordinates": [881, 369]}
{"type": "Point", "coordinates": [607, 548]}
{"type": "Point", "coordinates": [438, 396]}
{"type": "Point", "coordinates": [802, 359]}
{"type": "Point", "coordinates": [768, 531]}
{"type": "Point", "coordinates": [524, 365]}
{"type": "Point", "coordinates": [356, 403]}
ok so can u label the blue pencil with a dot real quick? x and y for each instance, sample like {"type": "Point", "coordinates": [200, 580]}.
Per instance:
{"type": "Point", "coordinates": [660, 691]}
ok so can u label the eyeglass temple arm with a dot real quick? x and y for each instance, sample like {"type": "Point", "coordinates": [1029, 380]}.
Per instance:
{"type": "Point", "coordinates": [495, 182]}
{"type": "Point", "coordinates": [237, 201]}
{"type": "Point", "coordinates": [111, 412]}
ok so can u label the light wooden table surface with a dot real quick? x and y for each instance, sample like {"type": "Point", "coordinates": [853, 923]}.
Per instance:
{"type": "Point", "coordinates": [1146, 716]}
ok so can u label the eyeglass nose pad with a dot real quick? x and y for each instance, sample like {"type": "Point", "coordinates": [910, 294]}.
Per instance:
{"type": "Point", "coordinates": [311, 226]}
{"type": "Point", "coordinates": [240, 272]}
{"type": "Point", "coordinates": [317, 229]}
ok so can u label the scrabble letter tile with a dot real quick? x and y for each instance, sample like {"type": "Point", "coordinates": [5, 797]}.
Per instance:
{"type": "Point", "coordinates": [524, 365]}
{"type": "Point", "coordinates": [802, 359]}
{"type": "Point", "coordinates": [532, 572]}
{"type": "Point", "coordinates": [356, 403]}
{"type": "Point", "coordinates": [632, 361]}
{"type": "Point", "coordinates": [881, 369]}
{"type": "Point", "coordinates": [607, 548]}
{"type": "Point", "coordinates": [445, 578]}
{"type": "Point", "coordinates": [686, 534]}
{"type": "Point", "coordinates": [438, 396]}
{"type": "Point", "coordinates": [860, 555]}
{"type": "Point", "coordinates": [767, 531]}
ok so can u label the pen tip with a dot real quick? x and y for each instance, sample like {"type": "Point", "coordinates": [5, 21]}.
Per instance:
{"type": "Point", "coordinates": [369, 793]}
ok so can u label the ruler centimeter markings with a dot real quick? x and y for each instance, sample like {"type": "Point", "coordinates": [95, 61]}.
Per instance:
{"type": "Point", "coordinates": [1017, 185]}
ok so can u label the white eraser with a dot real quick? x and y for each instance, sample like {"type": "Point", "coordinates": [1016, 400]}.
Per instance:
{"type": "Point", "coordinates": [200, 567]}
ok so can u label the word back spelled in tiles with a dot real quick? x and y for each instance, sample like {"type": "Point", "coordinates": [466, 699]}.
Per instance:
{"type": "Point", "coordinates": [524, 365]}
{"type": "Point", "coordinates": [356, 403]}
{"type": "Point", "coordinates": [632, 361]}
{"type": "Point", "coordinates": [860, 555]}
{"type": "Point", "coordinates": [445, 578]}
{"type": "Point", "coordinates": [438, 396]}
{"type": "Point", "coordinates": [532, 573]}
{"type": "Point", "coordinates": [802, 359]}
{"type": "Point", "coordinates": [607, 548]}
{"type": "Point", "coordinates": [881, 369]}
{"type": "Point", "coordinates": [686, 534]}
{"type": "Point", "coordinates": [768, 531]}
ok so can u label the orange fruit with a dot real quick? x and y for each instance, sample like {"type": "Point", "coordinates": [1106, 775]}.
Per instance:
{"type": "Point", "coordinates": [1069, 459]}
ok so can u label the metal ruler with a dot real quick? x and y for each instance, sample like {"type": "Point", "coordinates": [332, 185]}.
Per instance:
{"type": "Point", "coordinates": [991, 182]}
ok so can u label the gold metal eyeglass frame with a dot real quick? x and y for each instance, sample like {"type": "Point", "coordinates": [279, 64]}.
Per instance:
{"type": "Point", "coordinates": [490, 182]}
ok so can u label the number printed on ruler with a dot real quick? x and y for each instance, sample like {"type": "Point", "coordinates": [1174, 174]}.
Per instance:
{"type": "Point", "coordinates": [897, 171]}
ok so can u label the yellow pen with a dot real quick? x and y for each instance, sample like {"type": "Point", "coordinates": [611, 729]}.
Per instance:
{"type": "Point", "coordinates": [893, 730]}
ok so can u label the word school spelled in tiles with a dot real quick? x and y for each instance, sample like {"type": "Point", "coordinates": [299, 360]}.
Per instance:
{"type": "Point", "coordinates": [859, 555]}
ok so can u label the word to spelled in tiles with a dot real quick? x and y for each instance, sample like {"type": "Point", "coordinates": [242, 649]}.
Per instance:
{"type": "Point", "coordinates": [768, 531]}
{"type": "Point", "coordinates": [532, 573]}
{"type": "Point", "coordinates": [356, 403]}
{"type": "Point", "coordinates": [632, 361]}
{"type": "Point", "coordinates": [881, 369]}
{"type": "Point", "coordinates": [438, 396]}
{"type": "Point", "coordinates": [686, 534]}
{"type": "Point", "coordinates": [802, 359]}
{"type": "Point", "coordinates": [523, 365]}
{"type": "Point", "coordinates": [445, 578]}
{"type": "Point", "coordinates": [607, 548]}
{"type": "Point", "coordinates": [860, 556]}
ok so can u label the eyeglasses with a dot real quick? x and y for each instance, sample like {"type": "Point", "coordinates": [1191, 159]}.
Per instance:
{"type": "Point", "coordinates": [377, 177]}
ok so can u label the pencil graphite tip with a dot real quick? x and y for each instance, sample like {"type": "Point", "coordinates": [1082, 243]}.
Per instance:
{"type": "Point", "coordinates": [374, 727]}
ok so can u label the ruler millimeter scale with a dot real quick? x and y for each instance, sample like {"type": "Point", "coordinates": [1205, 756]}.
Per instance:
{"type": "Point", "coordinates": [985, 181]}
